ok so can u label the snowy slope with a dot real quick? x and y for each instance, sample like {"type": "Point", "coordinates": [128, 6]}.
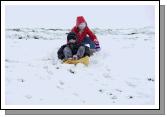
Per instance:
{"type": "Point", "coordinates": [122, 73]}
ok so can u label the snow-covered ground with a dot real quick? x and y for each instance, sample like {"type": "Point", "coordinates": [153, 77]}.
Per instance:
{"type": "Point", "coordinates": [122, 73]}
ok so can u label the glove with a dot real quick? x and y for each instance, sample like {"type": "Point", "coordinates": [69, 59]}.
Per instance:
{"type": "Point", "coordinates": [75, 57]}
{"type": "Point", "coordinates": [97, 46]}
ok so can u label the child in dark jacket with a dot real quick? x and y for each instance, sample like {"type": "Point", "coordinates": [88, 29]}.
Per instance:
{"type": "Point", "coordinates": [73, 50]}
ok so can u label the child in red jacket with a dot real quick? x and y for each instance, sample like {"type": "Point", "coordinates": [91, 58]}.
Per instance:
{"type": "Point", "coordinates": [85, 35]}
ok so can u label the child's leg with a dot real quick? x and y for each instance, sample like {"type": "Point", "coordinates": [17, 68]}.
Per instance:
{"type": "Point", "coordinates": [67, 53]}
{"type": "Point", "coordinates": [81, 51]}
{"type": "Point", "coordinates": [87, 40]}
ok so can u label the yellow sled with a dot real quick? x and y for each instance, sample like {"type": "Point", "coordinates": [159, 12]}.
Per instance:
{"type": "Point", "coordinates": [84, 60]}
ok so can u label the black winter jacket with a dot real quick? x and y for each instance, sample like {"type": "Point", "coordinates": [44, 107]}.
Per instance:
{"type": "Point", "coordinates": [74, 48]}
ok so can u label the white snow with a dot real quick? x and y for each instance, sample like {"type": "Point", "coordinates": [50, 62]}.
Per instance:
{"type": "Point", "coordinates": [122, 73]}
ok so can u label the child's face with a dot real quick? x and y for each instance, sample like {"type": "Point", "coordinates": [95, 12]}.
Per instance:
{"type": "Point", "coordinates": [82, 26]}
{"type": "Point", "coordinates": [72, 41]}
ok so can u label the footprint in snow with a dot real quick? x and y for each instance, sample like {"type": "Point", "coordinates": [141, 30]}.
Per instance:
{"type": "Point", "coordinates": [106, 75]}
{"type": "Point", "coordinates": [28, 96]}
{"type": "Point", "coordinates": [111, 95]}
{"type": "Point", "coordinates": [101, 90]}
{"type": "Point", "coordinates": [130, 97]}
{"type": "Point", "coordinates": [113, 102]}
{"type": "Point", "coordinates": [118, 90]}
{"type": "Point", "coordinates": [114, 97]}
{"type": "Point", "coordinates": [76, 94]}
{"type": "Point", "coordinates": [58, 87]}
{"type": "Point", "coordinates": [61, 83]}
{"type": "Point", "coordinates": [150, 79]}
{"type": "Point", "coordinates": [57, 68]}
{"type": "Point", "coordinates": [50, 72]}
{"type": "Point", "coordinates": [83, 101]}
{"type": "Point", "coordinates": [108, 69]}
{"type": "Point", "coordinates": [30, 65]}
{"type": "Point", "coordinates": [20, 80]}
{"type": "Point", "coordinates": [131, 84]}
{"type": "Point", "coordinates": [71, 71]}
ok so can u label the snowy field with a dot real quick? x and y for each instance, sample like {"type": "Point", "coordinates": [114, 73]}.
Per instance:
{"type": "Point", "coordinates": [122, 73]}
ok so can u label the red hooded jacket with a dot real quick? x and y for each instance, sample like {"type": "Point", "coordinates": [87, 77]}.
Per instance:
{"type": "Point", "coordinates": [86, 31]}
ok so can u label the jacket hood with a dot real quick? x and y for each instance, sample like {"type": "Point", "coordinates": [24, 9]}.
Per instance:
{"type": "Point", "coordinates": [80, 19]}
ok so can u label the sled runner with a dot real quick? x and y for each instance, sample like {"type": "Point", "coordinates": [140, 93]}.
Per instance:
{"type": "Point", "coordinates": [84, 60]}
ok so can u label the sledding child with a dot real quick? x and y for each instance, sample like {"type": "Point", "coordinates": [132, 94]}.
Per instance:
{"type": "Point", "coordinates": [85, 35]}
{"type": "Point", "coordinates": [73, 50]}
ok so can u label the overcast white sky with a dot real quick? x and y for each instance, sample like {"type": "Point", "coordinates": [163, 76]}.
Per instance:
{"type": "Point", "coordinates": [110, 16]}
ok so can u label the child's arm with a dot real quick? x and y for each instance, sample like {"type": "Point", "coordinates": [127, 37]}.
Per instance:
{"type": "Point", "coordinates": [92, 35]}
{"type": "Point", "coordinates": [74, 29]}
{"type": "Point", "coordinates": [94, 39]}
